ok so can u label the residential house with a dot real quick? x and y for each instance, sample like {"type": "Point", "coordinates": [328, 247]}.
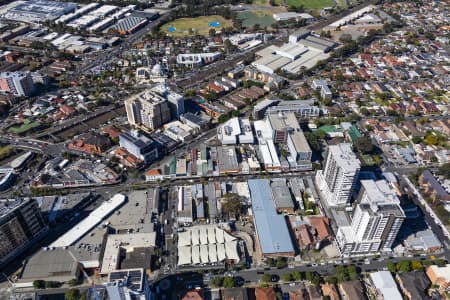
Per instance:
{"type": "Point", "coordinates": [439, 275]}
{"type": "Point", "coordinates": [414, 284]}
{"type": "Point", "coordinates": [433, 187]}
{"type": "Point", "coordinates": [91, 143]}
{"type": "Point", "coordinates": [351, 290]}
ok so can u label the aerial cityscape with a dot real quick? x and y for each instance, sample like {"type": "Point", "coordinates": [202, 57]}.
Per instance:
{"type": "Point", "coordinates": [224, 150]}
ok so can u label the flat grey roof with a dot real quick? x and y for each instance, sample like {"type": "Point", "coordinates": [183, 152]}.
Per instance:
{"type": "Point", "coordinates": [281, 194]}
{"type": "Point", "coordinates": [299, 141]}
{"type": "Point", "coordinates": [272, 229]}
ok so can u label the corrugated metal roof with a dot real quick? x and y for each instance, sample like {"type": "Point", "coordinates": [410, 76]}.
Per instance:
{"type": "Point", "coordinates": [272, 229]}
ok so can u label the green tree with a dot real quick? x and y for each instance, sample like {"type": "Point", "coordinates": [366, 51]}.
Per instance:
{"type": "Point", "coordinates": [440, 262]}
{"type": "Point", "coordinates": [391, 267]}
{"type": "Point", "coordinates": [416, 139]}
{"type": "Point", "coordinates": [416, 265]}
{"type": "Point", "coordinates": [404, 266]}
{"type": "Point", "coordinates": [265, 278]}
{"type": "Point", "coordinates": [296, 275]}
{"type": "Point", "coordinates": [72, 294]}
{"type": "Point", "coordinates": [352, 273]}
{"type": "Point", "coordinates": [232, 205]}
{"type": "Point", "coordinates": [364, 145]}
{"type": "Point", "coordinates": [228, 282]}
{"type": "Point", "coordinates": [444, 170]}
{"type": "Point", "coordinates": [39, 284]}
{"type": "Point", "coordinates": [281, 263]}
{"type": "Point", "coordinates": [332, 280]}
{"type": "Point", "coordinates": [287, 277]}
{"type": "Point", "coordinates": [217, 281]}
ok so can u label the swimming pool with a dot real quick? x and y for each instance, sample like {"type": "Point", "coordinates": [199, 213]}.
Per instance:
{"type": "Point", "coordinates": [171, 29]}
{"type": "Point", "coordinates": [214, 24]}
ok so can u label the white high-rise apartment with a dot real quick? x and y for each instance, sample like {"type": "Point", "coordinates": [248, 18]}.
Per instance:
{"type": "Point", "coordinates": [376, 220]}
{"type": "Point", "coordinates": [147, 109]}
{"type": "Point", "coordinates": [337, 180]}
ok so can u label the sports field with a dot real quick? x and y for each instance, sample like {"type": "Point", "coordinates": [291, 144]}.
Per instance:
{"type": "Point", "coordinates": [311, 4]}
{"type": "Point", "coordinates": [195, 26]}
{"type": "Point", "coordinates": [250, 18]}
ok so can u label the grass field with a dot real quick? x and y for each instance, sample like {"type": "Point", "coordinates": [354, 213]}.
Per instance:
{"type": "Point", "coordinates": [194, 26]}
{"type": "Point", "coordinates": [310, 4]}
{"type": "Point", "coordinates": [263, 18]}
{"type": "Point", "coordinates": [27, 125]}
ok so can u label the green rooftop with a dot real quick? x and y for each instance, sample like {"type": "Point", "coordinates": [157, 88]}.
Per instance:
{"type": "Point", "coordinates": [354, 133]}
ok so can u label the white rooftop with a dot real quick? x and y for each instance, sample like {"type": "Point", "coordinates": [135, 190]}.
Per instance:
{"type": "Point", "coordinates": [385, 283]}
{"type": "Point", "coordinates": [125, 241]}
{"type": "Point", "coordinates": [90, 221]}
{"type": "Point", "coordinates": [345, 157]}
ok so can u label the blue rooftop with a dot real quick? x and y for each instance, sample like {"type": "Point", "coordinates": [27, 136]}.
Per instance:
{"type": "Point", "coordinates": [273, 233]}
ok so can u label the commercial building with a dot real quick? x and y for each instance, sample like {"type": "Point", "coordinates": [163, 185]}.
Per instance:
{"type": "Point", "coordinates": [123, 284]}
{"type": "Point", "coordinates": [303, 109]}
{"type": "Point", "coordinates": [7, 177]}
{"type": "Point", "coordinates": [284, 16]}
{"type": "Point", "coordinates": [50, 265]}
{"type": "Point", "coordinates": [299, 149]}
{"type": "Point", "coordinates": [376, 221]}
{"type": "Point", "coordinates": [227, 161]}
{"type": "Point", "coordinates": [384, 286]}
{"type": "Point", "coordinates": [94, 218]}
{"type": "Point", "coordinates": [129, 25]}
{"type": "Point", "coordinates": [21, 224]}
{"type": "Point", "coordinates": [296, 55]}
{"type": "Point", "coordinates": [351, 17]}
{"type": "Point", "coordinates": [205, 245]}
{"type": "Point", "coordinates": [36, 11]}
{"type": "Point", "coordinates": [338, 178]}
{"type": "Point", "coordinates": [194, 121]}
{"type": "Point", "coordinates": [116, 244]}
{"type": "Point", "coordinates": [140, 145]}
{"type": "Point", "coordinates": [148, 109]}
{"type": "Point", "coordinates": [193, 60]}
{"type": "Point", "coordinates": [17, 83]}
{"type": "Point", "coordinates": [282, 196]}
{"type": "Point", "coordinates": [281, 125]}
{"type": "Point", "coordinates": [235, 131]}
{"type": "Point", "coordinates": [273, 237]}
{"type": "Point", "coordinates": [322, 86]}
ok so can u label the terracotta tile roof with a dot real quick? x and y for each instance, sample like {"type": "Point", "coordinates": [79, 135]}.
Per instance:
{"type": "Point", "coordinates": [267, 293]}
{"type": "Point", "coordinates": [193, 295]}
{"type": "Point", "coordinates": [153, 172]}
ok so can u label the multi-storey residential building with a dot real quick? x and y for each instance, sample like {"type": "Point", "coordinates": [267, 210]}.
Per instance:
{"type": "Point", "coordinates": [337, 180]}
{"type": "Point", "coordinates": [17, 83]}
{"type": "Point", "coordinates": [21, 224]}
{"type": "Point", "coordinates": [175, 100]}
{"type": "Point", "coordinates": [140, 145]}
{"type": "Point", "coordinates": [376, 220]}
{"type": "Point", "coordinates": [148, 109]}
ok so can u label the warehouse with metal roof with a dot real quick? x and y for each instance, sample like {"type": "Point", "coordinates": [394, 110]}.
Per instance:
{"type": "Point", "coordinates": [273, 236]}
{"type": "Point", "coordinates": [129, 24]}
{"type": "Point", "coordinates": [299, 53]}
